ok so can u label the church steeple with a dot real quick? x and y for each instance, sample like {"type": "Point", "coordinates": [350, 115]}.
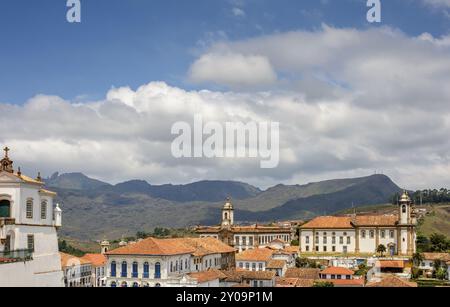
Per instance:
{"type": "Point", "coordinates": [6, 165]}
{"type": "Point", "coordinates": [228, 214]}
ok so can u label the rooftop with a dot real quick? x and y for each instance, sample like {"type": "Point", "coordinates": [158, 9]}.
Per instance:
{"type": "Point", "coordinates": [257, 254]}
{"type": "Point", "coordinates": [276, 264]}
{"type": "Point", "coordinates": [96, 259]}
{"type": "Point", "coordinates": [437, 256]}
{"type": "Point", "coordinates": [302, 273]}
{"type": "Point", "coordinates": [337, 271]}
{"type": "Point", "coordinates": [347, 222]}
{"type": "Point", "coordinates": [69, 260]}
{"type": "Point", "coordinates": [392, 282]}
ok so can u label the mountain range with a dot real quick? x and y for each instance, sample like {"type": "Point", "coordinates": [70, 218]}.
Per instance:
{"type": "Point", "coordinates": [93, 209]}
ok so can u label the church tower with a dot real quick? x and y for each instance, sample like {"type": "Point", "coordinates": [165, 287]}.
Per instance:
{"type": "Point", "coordinates": [405, 209]}
{"type": "Point", "coordinates": [105, 246]}
{"type": "Point", "coordinates": [228, 214]}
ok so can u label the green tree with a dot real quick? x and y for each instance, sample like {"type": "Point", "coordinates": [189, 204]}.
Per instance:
{"type": "Point", "coordinates": [417, 259]}
{"type": "Point", "coordinates": [381, 249]}
{"type": "Point", "coordinates": [439, 243]}
{"type": "Point", "coordinates": [441, 273]}
{"type": "Point", "coordinates": [423, 244]}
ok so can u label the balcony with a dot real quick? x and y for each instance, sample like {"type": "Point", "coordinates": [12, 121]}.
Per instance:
{"type": "Point", "coordinates": [20, 255]}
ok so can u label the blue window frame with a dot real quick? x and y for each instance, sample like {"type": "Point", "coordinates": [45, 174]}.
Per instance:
{"type": "Point", "coordinates": [135, 270]}
{"type": "Point", "coordinates": [124, 269]}
{"type": "Point", "coordinates": [158, 270]}
{"type": "Point", "coordinates": [146, 270]}
{"type": "Point", "coordinates": [113, 269]}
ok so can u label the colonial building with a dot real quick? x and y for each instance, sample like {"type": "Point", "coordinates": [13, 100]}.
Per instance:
{"type": "Point", "coordinates": [244, 237]}
{"type": "Point", "coordinates": [362, 234]}
{"type": "Point", "coordinates": [168, 262]}
{"type": "Point", "coordinates": [29, 220]}
{"type": "Point", "coordinates": [98, 272]}
{"type": "Point", "coordinates": [77, 271]}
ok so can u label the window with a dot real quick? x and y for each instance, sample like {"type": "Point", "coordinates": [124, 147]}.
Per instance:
{"type": "Point", "coordinates": [372, 234]}
{"type": "Point", "coordinates": [244, 240]}
{"type": "Point", "coordinates": [171, 266]}
{"type": "Point", "coordinates": [349, 240]}
{"type": "Point", "coordinates": [339, 277]}
{"type": "Point", "coordinates": [404, 208]}
{"type": "Point", "coordinates": [391, 234]}
{"type": "Point", "coordinates": [333, 276]}
{"type": "Point", "coordinates": [181, 265]}
{"type": "Point", "coordinates": [325, 249]}
{"type": "Point", "coordinates": [30, 242]}
{"type": "Point", "coordinates": [247, 266]}
{"type": "Point", "coordinates": [324, 240]}
{"type": "Point", "coordinates": [241, 265]}
{"type": "Point", "coordinates": [44, 210]}
{"type": "Point", "coordinates": [307, 248]}
{"type": "Point", "coordinates": [124, 272]}
{"type": "Point", "coordinates": [158, 270]}
{"type": "Point", "coordinates": [348, 277]}
{"type": "Point", "coordinates": [255, 283]}
{"type": "Point", "coordinates": [317, 248]}
{"type": "Point", "coordinates": [333, 248]}
{"type": "Point", "coordinates": [383, 234]}
{"type": "Point", "coordinates": [307, 239]}
{"type": "Point", "coordinates": [29, 209]}
{"type": "Point", "coordinates": [260, 267]}
{"type": "Point", "coordinates": [250, 241]}
{"type": "Point", "coordinates": [363, 234]}
{"type": "Point", "coordinates": [113, 269]}
{"type": "Point", "coordinates": [341, 240]}
{"type": "Point", "coordinates": [5, 208]}
{"type": "Point", "coordinates": [317, 239]}
{"type": "Point", "coordinates": [135, 272]}
{"type": "Point", "coordinates": [333, 240]}
{"type": "Point", "coordinates": [254, 267]}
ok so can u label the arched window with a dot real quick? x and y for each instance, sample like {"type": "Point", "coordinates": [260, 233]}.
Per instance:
{"type": "Point", "coordinates": [146, 270]}
{"type": "Point", "coordinates": [113, 269]}
{"type": "Point", "coordinates": [135, 285]}
{"type": "Point", "coordinates": [44, 210]}
{"type": "Point", "coordinates": [226, 215]}
{"type": "Point", "coordinates": [372, 234]}
{"type": "Point", "coordinates": [113, 284]}
{"type": "Point", "coordinates": [404, 208]}
{"type": "Point", "coordinates": [363, 234]}
{"type": "Point", "coordinates": [124, 284]}
{"type": "Point", "coordinates": [171, 266]}
{"type": "Point", "coordinates": [124, 269]}
{"type": "Point", "coordinates": [5, 208]}
{"type": "Point", "coordinates": [30, 208]}
{"type": "Point", "coordinates": [158, 286]}
{"type": "Point", "coordinates": [158, 270]}
{"type": "Point", "coordinates": [135, 272]}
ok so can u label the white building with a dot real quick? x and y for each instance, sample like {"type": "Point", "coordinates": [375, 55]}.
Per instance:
{"type": "Point", "coordinates": [244, 237]}
{"type": "Point", "coordinates": [98, 274]}
{"type": "Point", "coordinates": [77, 271]}
{"type": "Point", "coordinates": [29, 220]}
{"type": "Point", "coordinates": [362, 234]}
{"type": "Point", "coordinates": [168, 262]}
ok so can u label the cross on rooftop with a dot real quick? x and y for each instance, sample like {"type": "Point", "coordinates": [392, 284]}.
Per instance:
{"type": "Point", "coordinates": [6, 149]}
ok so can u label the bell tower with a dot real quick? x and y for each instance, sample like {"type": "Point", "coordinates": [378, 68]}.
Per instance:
{"type": "Point", "coordinates": [228, 214]}
{"type": "Point", "coordinates": [405, 209]}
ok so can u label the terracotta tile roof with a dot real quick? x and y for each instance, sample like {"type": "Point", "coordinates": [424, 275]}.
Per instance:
{"type": "Point", "coordinates": [232, 276]}
{"type": "Point", "coordinates": [276, 264]}
{"type": "Point", "coordinates": [241, 285]}
{"type": "Point", "coordinates": [205, 276]}
{"type": "Point", "coordinates": [195, 246]}
{"type": "Point", "coordinates": [69, 260]}
{"type": "Point", "coordinates": [96, 259]}
{"type": "Point", "coordinates": [396, 264]}
{"type": "Point", "coordinates": [245, 229]}
{"type": "Point", "coordinates": [392, 282]}
{"type": "Point", "coordinates": [329, 222]}
{"type": "Point", "coordinates": [292, 249]}
{"type": "Point", "coordinates": [305, 283]}
{"type": "Point", "coordinates": [286, 282]}
{"type": "Point", "coordinates": [437, 256]}
{"type": "Point", "coordinates": [376, 220]}
{"type": "Point", "coordinates": [257, 254]}
{"type": "Point", "coordinates": [302, 273]}
{"type": "Point", "coordinates": [257, 275]}
{"type": "Point", "coordinates": [337, 271]}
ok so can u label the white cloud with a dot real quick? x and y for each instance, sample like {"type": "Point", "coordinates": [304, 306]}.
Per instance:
{"type": "Point", "coordinates": [350, 103]}
{"type": "Point", "coordinates": [438, 3]}
{"type": "Point", "coordinates": [238, 12]}
{"type": "Point", "coordinates": [233, 70]}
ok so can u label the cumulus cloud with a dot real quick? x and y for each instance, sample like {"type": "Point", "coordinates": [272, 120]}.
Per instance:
{"type": "Point", "coordinates": [349, 103]}
{"type": "Point", "coordinates": [238, 12]}
{"type": "Point", "coordinates": [232, 70]}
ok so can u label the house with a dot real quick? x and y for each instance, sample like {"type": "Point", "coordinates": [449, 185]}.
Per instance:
{"type": "Point", "coordinates": [77, 271]}
{"type": "Point", "coordinates": [258, 279]}
{"type": "Point", "coordinates": [207, 279]}
{"type": "Point", "coordinates": [430, 259]}
{"type": "Point", "coordinates": [168, 262]}
{"type": "Point", "coordinates": [254, 259]}
{"type": "Point", "coordinates": [392, 282]}
{"type": "Point", "coordinates": [243, 238]}
{"type": "Point", "coordinates": [29, 220]}
{"type": "Point", "coordinates": [98, 262]}
{"type": "Point", "coordinates": [362, 233]}
{"type": "Point", "coordinates": [277, 266]}
{"type": "Point", "coordinates": [341, 277]}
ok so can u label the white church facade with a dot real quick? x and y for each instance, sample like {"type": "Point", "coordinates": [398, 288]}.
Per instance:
{"type": "Point", "coordinates": [362, 234]}
{"type": "Point", "coordinates": [29, 219]}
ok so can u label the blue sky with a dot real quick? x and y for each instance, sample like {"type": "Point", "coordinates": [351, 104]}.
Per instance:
{"type": "Point", "coordinates": [352, 98]}
{"type": "Point", "coordinates": [133, 42]}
